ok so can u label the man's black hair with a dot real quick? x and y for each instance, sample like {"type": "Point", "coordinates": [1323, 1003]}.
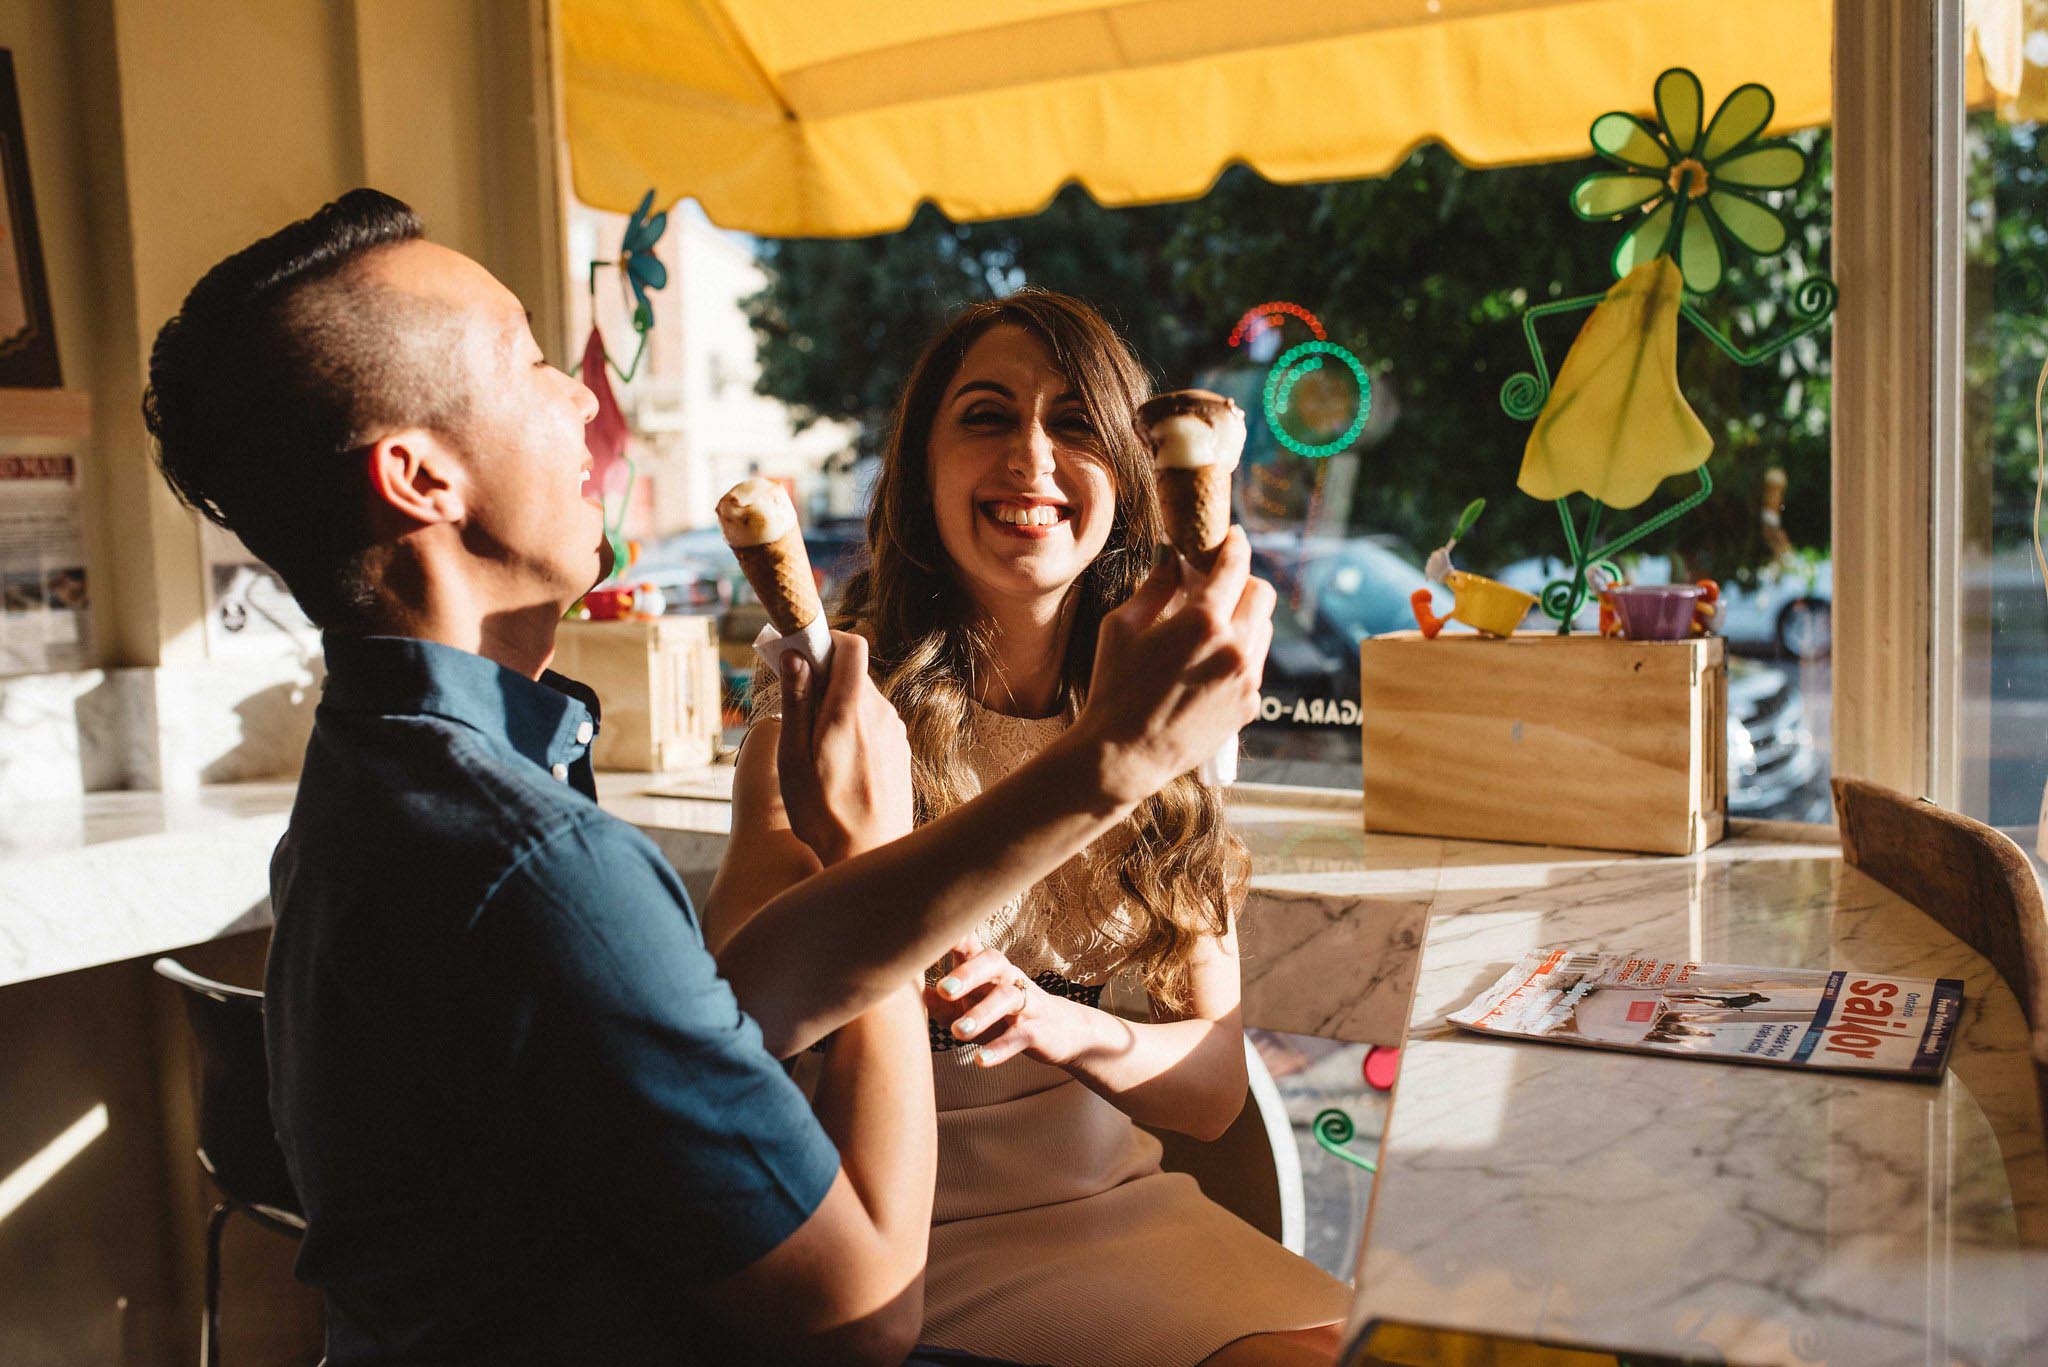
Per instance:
{"type": "Point", "coordinates": [282, 362]}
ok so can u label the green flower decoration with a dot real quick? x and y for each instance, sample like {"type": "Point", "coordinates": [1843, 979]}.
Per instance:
{"type": "Point", "coordinates": [1693, 189]}
{"type": "Point", "coordinates": [638, 265]}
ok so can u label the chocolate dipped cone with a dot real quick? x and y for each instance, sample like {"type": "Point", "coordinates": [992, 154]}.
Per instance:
{"type": "Point", "coordinates": [759, 523]}
{"type": "Point", "coordinates": [1196, 438]}
{"type": "Point", "coordinates": [1196, 504]}
{"type": "Point", "coordinates": [780, 571]}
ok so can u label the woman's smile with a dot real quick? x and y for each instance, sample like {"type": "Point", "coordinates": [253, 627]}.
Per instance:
{"type": "Point", "coordinates": [1028, 519]}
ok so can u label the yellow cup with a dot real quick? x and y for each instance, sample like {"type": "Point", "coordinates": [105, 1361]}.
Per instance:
{"type": "Point", "coordinates": [1486, 605]}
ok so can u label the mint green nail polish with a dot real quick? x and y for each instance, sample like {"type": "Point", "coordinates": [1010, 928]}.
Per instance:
{"type": "Point", "coordinates": [949, 986]}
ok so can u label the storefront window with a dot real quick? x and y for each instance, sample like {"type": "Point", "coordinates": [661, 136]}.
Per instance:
{"type": "Point", "coordinates": [1286, 297]}
{"type": "Point", "coordinates": [2004, 712]}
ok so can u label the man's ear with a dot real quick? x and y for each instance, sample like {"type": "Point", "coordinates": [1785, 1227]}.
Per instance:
{"type": "Point", "coordinates": [414, 475]}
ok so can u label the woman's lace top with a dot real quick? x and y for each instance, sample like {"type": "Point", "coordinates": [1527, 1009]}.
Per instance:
{"type": "Point", "coordinates": [1073, 923]}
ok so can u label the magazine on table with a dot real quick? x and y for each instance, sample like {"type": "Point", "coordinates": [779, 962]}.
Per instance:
{"type": "Point", "coordinates": [1797, 1017]}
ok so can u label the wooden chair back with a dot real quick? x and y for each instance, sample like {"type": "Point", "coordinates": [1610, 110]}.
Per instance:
{"type": "Point", "coordinates": [1970, 878]}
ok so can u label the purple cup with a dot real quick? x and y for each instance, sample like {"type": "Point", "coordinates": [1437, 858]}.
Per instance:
{"type": "Point", "coordinates": [1655, 612]}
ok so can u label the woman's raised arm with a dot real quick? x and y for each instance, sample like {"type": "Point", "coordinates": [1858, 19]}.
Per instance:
{"type": "Point", "coordinates": [764, 857]}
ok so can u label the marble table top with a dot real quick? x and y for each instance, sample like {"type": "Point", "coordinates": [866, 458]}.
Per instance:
{"type": "Point", "coordinates": [1676, 1206]}
{"type": "Point", "coordinates": [95, 879]}
{"type": "Point", "coordinates": [103, 877]}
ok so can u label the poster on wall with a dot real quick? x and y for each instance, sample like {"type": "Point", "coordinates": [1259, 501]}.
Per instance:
{"type": "Point", "coordinates": [28, 338]}
{"type": "Point", "coordinates": [45, 611]}
{"type": "Point", "coordinates": [249, 611]}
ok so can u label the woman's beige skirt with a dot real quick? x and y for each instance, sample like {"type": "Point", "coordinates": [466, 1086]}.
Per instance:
{"type": "Point", "coordinates": [1057, 1240]}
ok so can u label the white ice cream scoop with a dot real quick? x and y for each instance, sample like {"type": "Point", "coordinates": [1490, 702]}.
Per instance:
{"type": "Point", "coordinates": [755, 512]}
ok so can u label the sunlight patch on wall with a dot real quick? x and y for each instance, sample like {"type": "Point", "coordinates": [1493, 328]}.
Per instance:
{"type": "Point", "coordinates": [26, 1180]}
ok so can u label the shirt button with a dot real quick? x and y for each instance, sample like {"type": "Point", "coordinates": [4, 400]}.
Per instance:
{"type": "Point", "coordinates": [561, 771]}
{"type": "Point", "coordinates": [584, 733]}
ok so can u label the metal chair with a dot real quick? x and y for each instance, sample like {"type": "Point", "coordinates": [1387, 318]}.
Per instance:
{"type": "Point", "coordinates": [1967, 876]}
{"type": "Point", "coordinates": [237, 1144]}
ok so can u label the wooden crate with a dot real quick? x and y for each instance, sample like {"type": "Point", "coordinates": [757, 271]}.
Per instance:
{"type": "Point", "coordinates": [658, 682]}
{"type": "Point", "coordinates": [1547, 740]}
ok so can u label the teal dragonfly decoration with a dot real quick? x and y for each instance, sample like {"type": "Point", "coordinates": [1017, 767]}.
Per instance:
{"type": "Point", "coordinates": [1614, 425]}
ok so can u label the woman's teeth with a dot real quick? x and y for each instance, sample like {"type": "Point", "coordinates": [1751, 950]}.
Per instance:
{"type": "Point", "coordinates": [1040, 515]}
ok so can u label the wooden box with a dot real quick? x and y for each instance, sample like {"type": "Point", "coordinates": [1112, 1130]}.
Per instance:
{"type": "Point", "coordinates": [658, 682]}
{"type": "Point", "coordinates": [1547, 740]}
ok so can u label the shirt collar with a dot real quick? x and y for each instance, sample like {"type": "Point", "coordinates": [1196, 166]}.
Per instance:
{"type": "Point", "coordinates": [551, 721]}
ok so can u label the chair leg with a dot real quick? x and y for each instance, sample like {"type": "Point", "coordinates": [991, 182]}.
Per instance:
{"type": "Point", "coordinates": [209, 1327]}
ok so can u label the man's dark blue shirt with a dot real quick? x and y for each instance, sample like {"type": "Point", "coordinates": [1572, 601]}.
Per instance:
{"type": "Point", "coordinates": [521, 1108]}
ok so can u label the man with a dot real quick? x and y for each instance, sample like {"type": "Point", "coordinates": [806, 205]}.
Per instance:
{"type": "Point", "coordinates": [528, 1118]}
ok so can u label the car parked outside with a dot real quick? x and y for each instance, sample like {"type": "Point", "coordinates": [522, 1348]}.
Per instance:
{"type": "Point", "coordinates": [694, 571]}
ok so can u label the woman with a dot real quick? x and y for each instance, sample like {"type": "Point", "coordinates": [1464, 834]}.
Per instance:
{"type": "Point", "coordinates": [1014, 509]}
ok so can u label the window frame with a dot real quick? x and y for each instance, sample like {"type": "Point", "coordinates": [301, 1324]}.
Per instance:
{"type": "Point", "coordinates": [1896, 423]}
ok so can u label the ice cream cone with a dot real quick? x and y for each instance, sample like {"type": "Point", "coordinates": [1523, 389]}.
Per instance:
{"type": "Point", "coordinates": [1196, 438]}
{"type": "Point", "coordinates": [780, 572]}
{"type": "Point", "coordinates": [759, 523]}
{"type": "Point", "coordinates": [1196, 504]}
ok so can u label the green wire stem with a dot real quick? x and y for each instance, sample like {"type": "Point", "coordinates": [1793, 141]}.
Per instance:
{"type": "Point", "coordinates": [1813, 303]}
{"type": "Point", "coordinates": [1333, 1130]}
{"type": "Point", "coordinates": [1524, 394]}
{"type": "Point", "coordinates": [639, 353]}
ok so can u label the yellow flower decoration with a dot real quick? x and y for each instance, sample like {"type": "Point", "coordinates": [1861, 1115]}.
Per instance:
{"type": "Point", "coordinates": [1693, 186]}
{"type": "Point", "coordinates": [1617, 426]}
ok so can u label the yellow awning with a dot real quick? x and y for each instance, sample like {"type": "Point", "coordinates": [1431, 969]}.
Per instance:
{"type": "Point", "coordinates": [812, 118]}
{"type": "Point", "coordinates": [815, 118]}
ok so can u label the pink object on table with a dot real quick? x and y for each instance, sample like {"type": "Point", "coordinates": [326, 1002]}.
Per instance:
{"type": "Point", "coordinates": [1381, 1065]}
{"type": "Point", "coordinates": [1655, 612]}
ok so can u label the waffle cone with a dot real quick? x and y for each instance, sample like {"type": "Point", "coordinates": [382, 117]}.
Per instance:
{"type": "Point", "coordinates": [780, 572]}
{"type": "Point", "coordinates": [1196, 505]}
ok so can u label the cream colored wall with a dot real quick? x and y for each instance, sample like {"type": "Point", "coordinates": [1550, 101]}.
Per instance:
{"type": "Point", "coordinates": [164, 134]}
{"type": "Point", "coordinates": [234, 118]}
{"type": "Point", "coordinates": [457, 121]}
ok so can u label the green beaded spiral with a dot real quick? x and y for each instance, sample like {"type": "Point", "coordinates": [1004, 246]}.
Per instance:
{"type": "Point", "coordinates": [1333, 1130]}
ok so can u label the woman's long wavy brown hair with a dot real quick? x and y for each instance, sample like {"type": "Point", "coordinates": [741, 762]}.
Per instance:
{"type": "Point", "coordinates": [1184, 872]}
